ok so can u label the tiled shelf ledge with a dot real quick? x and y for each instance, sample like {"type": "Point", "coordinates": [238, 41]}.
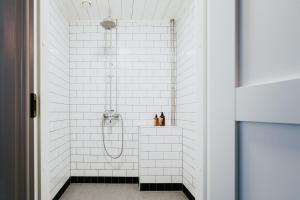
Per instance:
{"type": "Point", "coordinates": [160, 154]}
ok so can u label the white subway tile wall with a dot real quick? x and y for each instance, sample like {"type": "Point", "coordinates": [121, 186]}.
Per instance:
{"type": "Point", "coordinates": [160, 157]}
{"type": "Point", "coordinates": [144, 81]}
{"type": "Point", "coordinates": [187, 90]}
{"type": "Point", "coordinates": [57, 85]}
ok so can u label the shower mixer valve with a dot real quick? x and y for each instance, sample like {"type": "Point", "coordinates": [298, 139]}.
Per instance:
{"type": "Point", "coordinates": [111, 115]}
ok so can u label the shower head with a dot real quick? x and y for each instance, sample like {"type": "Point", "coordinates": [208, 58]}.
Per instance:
{"type": "Point", "coordinates": [108, 23]}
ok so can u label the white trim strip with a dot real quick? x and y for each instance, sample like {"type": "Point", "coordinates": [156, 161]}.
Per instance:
{"type": "Point", "coordinates": [277, 102]}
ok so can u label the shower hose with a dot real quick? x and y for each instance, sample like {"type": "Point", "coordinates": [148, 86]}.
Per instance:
{"type": "Point", "coordinates": [103, 139]}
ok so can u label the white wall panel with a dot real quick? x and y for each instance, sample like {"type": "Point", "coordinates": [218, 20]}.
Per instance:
{"type": "Point", "coordinates": [269, 78]}
{"type": "Point", "coordinates": [269, 161]}
{"type": "Point", "coordinates": [269, 41]}
{"type": "Point", "coordinates": [221, 65]}
{"type": "Point", "coordinates": [274, 102]}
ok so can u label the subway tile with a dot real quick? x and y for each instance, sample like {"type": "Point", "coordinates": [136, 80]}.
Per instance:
{"type": "Point", "coordinates": [90, 29]}
{"type": "Point", "coordinates": [186, 90]}
{"type": "Point", "coordinates": [142, 93]}
{"type": "Point", "coordinates": [156, 155]}
{"type": "Point", "coordinates": [156, 139]}
{"type": "Point", "coordinates": [147, 163]}
{"type": "Point", "coordinates": [172, 171]}
{"type": "Point", "coordinates": [58, 94]}
{"type": "Point", "coordinates": [83, 166]}
{"type": "Point", "coordinates": [171, 155]}
{"type": "Point", "coordinates": [163, 179]}
{"type": "Point", "coordinates": [155, 171]}
{"type": "Point", "coordinates": [163, 147]}
{"type": "Point", "coordinates": [76, 29]}
{"type": "Point", "coordinates": [147, 179]}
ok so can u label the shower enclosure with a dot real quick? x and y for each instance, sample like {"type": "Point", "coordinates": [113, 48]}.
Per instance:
{"type": "Point", "coordinates": [104, 80]}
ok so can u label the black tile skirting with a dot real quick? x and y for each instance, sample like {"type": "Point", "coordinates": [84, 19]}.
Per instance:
{"type": "Point", "coordinates": [82, 179]}
{"type": "Point", "coordinates": [104, 179]}
{"type": "Point", "coordinates": [126, 180]}
{"type": "Point", "coordinates": [166, 187]}
{"type": "Point", "coordinates": [187, 193]}
{"type": "Point", "coordinates": [160, 187]}
{"type": "Point", "coordinates": [62, 190]}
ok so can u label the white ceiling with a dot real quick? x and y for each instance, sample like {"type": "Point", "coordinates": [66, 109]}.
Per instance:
{"type": "Point", "coordinates": [122, 9]}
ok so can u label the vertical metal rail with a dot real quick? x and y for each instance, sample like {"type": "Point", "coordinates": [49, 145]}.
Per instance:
{"type": "Point", "coordinates": [105, 69]}
{"type": "Point", "coordinates": [173, 71]}
{"type": "Point", "coordinates": [116, 68]}
{"type": "Point", "coordinates": [110, 70]}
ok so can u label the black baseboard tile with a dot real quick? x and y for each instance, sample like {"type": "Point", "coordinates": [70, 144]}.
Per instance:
{"type": "Point", "coordinates": [167, 187]}
{"type": "Point", "coordinates": [160, 187]}
{"type": "Point", "coordinates": [187, 193]}
{"type": "Point", "coordinates": [62, 190]}
{"type": "Point", "coordinates": [126, 180]}
{"type": "Point", "coordinates": [105, 179]}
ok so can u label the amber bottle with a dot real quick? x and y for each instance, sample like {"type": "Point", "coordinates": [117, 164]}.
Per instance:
{"type": "Point", "coordinates": [162, 119]}
{"type": "Point", "coordinates": [156, 121]}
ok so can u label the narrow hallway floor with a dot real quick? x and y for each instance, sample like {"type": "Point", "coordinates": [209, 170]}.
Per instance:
{"type": "Point", "coordinates": [88, 191]}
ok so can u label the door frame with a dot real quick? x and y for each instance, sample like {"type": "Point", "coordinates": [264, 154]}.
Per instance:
{"type": "Point", "coordinates": [27, 87]}
{"type": "Point", "coordinates": [32, 140]}
{"type": "Point", "coordinates": [42, 7]}
{"type": "Point", "coordinates": [17, 78]}
{"type": "Point", "coordinates": [221, 112]}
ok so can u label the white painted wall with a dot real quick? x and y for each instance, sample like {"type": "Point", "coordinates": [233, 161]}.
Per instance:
{"type": "Point", "coordinates": [269, 46]}
{"type": "Point", "coordinates": [269, 161]}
